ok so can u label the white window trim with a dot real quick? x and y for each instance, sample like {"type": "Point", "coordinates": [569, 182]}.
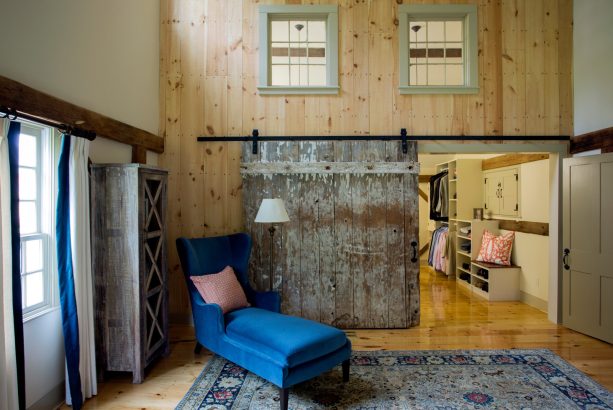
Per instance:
{"type": "Point", "coordinates": [48, 189]}
{"type": "Point", "coordinates": [331, 14]}
{"type": "Point", "coordinates": [468, 12]}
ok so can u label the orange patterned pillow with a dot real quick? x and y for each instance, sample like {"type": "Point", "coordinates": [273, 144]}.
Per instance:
{"type": "Point", "coordinates": [496, 249]}
{"type": "Point", "coordinates": [221, 288]}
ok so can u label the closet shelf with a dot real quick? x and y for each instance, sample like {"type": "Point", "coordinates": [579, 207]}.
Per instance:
{"type": "Point", "coordinates": [464, 237]}
{"type": "Point", "coordinates": [464, 253]}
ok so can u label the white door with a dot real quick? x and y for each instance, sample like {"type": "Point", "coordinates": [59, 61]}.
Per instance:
{"type": "Point", "coordinates": [588, 245]}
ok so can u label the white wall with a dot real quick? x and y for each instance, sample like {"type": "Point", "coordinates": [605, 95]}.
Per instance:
{"type": "Point", "coordinates": [102, 55]}
{"type": "Point", "coordinates": [531, 251]}
{"type": "Point", "coordinates": [592, 62]}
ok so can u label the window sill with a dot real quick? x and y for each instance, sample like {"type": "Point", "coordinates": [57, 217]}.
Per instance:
{"type": "Point", "coordinates": [278, 90]}
{"type": "Point", "coordinates": [39, 313]}
{"type": "Point", "coordinates": [438, 90]}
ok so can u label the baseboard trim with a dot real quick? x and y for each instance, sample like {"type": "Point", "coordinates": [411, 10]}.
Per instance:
{"type": "Point", "coordinates": [533, 301]}
{"type": "Point", "coordinates": [52, 400]}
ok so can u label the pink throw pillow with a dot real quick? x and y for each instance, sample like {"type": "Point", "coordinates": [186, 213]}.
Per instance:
{"type": "Point", "coordinates": [496, 249]}
{"type": "Point", "coordinates": [221, 288]}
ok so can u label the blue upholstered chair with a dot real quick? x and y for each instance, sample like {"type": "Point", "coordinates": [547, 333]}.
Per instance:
{"type": "Point", "coordinates": [284, 350]}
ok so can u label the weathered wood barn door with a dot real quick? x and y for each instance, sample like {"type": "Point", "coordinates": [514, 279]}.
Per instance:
{"type": "Point", "coordinates": [348, 256]}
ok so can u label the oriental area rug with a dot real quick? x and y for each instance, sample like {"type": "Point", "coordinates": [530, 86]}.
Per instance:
{"type": "Point", "coordinates": [457, 379]}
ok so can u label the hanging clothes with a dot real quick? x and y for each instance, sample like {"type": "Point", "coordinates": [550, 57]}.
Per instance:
{"type": "Point", "coordinates": [439, 199]}
{"type": "Point", "coordinates": [438, 257]}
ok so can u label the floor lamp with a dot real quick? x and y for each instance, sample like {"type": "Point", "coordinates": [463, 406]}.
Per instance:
{"type": "Point", "coordinates": [272, 211]}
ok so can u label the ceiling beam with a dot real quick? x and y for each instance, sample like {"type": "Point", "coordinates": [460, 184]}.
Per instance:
{"type": "Point", "coordinates": [511, 159]}
{"type": "Point", "coordinates": [20, 97]}
{"type": "Point", "coordinates": [601, 139]}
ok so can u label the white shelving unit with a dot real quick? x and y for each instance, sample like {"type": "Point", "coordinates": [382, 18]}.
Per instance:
{"type": "Point", "coordinates": [464, 194]}
{"type": "Point", "coordinates": [490, 281]}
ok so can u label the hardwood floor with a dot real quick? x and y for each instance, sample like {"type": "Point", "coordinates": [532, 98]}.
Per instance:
{"type": "Point", "coordinates": [450, 319]}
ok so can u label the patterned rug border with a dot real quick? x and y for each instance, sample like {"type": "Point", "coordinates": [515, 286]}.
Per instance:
{"type": "Point", "coordinates": [551, 356]}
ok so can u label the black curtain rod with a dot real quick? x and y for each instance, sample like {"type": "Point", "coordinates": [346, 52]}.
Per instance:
{"type": "Point", "coordinates": [13, 114]}
{"type": "Point", "coordinates": [255, 138]}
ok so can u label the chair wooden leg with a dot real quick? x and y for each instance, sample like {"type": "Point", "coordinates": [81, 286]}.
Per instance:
{"type": "Point", "coordinates": [283, 397]}
{"type": "Point", "coordinates": [346, 371]}
{"type": "Point", "coordinates": [197, 348]}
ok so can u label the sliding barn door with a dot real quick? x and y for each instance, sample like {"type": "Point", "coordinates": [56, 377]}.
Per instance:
{"type": "Point", "coordinates": [349, 255]}
{"type": "Point", "coordinates": [588, 245]}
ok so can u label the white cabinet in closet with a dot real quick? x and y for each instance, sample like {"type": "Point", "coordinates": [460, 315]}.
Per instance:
{"type": "Point", "coordinates": [501, 192]}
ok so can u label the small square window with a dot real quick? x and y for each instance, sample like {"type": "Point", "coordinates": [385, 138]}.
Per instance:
{"type": "Point", "coordinates": [298, 50]}
{"type": "Point", "coordinates": [438, 49]}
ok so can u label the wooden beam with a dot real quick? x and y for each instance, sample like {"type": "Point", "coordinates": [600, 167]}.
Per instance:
{"type": "Point", "coordinates": [424, 178]}
{"type": "Point", "coordinates": [24, 99]}
{"type": "Point", "coordinates": [601, 139]}
{"type": "Point", "coordinates": [139, 154]}
{"type": "Point", "coordinates": [424, 249]}
{"type": "Point", "coordinates": [422, 194]}
{"type": "Point", "coordinates": [537, 228]}
{"type": "Point", "coordinates": [511, 159]}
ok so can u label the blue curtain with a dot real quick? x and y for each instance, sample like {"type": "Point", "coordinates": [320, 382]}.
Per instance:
{"type": "Point", "coordinates": [68, 301]}
{"type": "Point", "coordinates": [13, 140]}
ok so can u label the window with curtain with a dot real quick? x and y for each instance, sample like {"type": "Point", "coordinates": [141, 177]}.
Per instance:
{"type": "Point", "coordinates": [36, 218]}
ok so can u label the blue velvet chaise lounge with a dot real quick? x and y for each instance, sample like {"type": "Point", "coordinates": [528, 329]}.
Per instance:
{"type": "Point", "coordinates": [284, 350]}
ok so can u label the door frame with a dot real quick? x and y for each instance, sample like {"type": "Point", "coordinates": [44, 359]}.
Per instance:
{"type": "Point", "coordinates": [557, 152]}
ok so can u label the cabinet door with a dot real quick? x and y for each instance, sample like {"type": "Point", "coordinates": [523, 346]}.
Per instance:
{"type": "Point", "coordinates": [509, 203]}
{"type": "Point", "coordinates": [492, 202]}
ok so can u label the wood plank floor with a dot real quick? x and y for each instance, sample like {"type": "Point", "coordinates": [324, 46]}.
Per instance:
{"type": "Point", "coordinates": [450, 319]}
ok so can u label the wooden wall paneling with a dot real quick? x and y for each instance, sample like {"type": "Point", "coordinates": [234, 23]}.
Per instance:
{"type": "Point", "coordinates": [551, 82]}
{"type": "Point", "coordinates": [217, 34]}
{"type": "Point", "coordinates": [535, 66]}
{"type": "Point", "coordinates": [411, 233]}
{"type": "Point", "coordinates": [513, 67]}
{"type": "Point", "coordinates": [378, 252]}
{"type": "Point", "coordinates": [309, 261]}
{"type": "Point", "coordinates": [171, 159]}
{"type": "Point", "coordinates": [492, 51]}
{"type": "Point", "coordinates": [565, 65]}
{"type": "Point", "coordinates": [361, 103]}
{"type": "Point", "coordinates": [215, 102]}
{"type": "Point", "coordinates": [327, 254]}
{"type": "Point", "coordinates": [360, 260]}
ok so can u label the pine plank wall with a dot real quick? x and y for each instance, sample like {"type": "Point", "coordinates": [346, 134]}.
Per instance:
{"type": "Point", "coordinates": [208, 78]}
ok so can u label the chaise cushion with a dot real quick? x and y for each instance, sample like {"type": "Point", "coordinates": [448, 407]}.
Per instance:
{"type": "Point", "coordinates": [295, 339]}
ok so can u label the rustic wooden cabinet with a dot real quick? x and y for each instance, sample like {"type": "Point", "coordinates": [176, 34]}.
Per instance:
{"type": "Point", "coordinates": [128, 204]}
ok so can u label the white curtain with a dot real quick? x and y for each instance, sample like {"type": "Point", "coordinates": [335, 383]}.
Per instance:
{"type": "Point", "coordinates": [80, 241]}
{"type": "Point", "coordinates": [8, 363]}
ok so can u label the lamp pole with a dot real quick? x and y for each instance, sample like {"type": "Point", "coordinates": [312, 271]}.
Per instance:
{"type": "Point", "coordinates": [272, 250]}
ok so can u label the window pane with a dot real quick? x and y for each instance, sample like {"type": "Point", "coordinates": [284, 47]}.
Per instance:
{"type": "Point", "coordinates": [297, 31]}
{"type": "Point", "coordinates": [455, 75]}
{"type": "Point", "coordinates": [417, 31]}
{"type": "Point", "coordinates": [279, 30]}
{"type": "Point", "coordinates": [28, 217]}
{"type": "Point", "coordinates": [279, 75]}
{"type": "Point", "coordinates": [412, 75]}
{"type": "Point", "coordinates": [417, 53]}
{"type": "Point", "coordinates": [436, 31]}
{"type": "Point", "coordinates": [35, 286]}
{"type": "Point", "coordinates": [33, 255]}
{"type": "Point", "coordinates": [280, 53]}
{"type": "Point", "coordinates": [453, 31]}
{"type": "Point", "coordinates": [420, 78]}
{"type": "Point", "coordinates": [317, 75]}
{"type": "Point", "coordinates": [436, 75]}
{"type": "Point", "coordinates": [27, 150]}
{"type": "Point", "coordinates": [27, 184]}
{"type": "Point", "coordinates": [317, 31]}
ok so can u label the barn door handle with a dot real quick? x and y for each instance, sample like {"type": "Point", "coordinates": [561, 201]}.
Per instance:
{"type": "Point", "coordinates": [414, 246]}
{"type": "Point", "coordinates": [565, 258]}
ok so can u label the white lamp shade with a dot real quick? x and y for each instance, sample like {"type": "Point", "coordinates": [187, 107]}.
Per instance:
{"type": "Point", "coordinates": [272, 211]}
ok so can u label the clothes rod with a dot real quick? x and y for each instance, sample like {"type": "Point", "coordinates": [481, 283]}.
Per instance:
{"type": "Point", "coordinates": [255, 138]}
{"type": "Point", "coordinates": [13, 114]}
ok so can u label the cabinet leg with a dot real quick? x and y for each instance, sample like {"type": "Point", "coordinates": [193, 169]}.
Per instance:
{"type": "Point", "coordinates": [284, 397]}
